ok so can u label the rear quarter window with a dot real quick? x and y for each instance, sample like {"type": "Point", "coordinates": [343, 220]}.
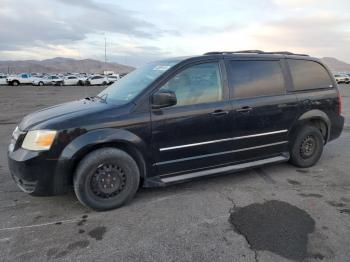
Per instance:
{"type": "Point", "coordinates": [256, 78]}
{"type": "Point", "coordinates": [308, 75]}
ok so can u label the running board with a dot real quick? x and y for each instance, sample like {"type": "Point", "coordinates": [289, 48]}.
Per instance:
{"type": "Point", "coordinates": [232, 168]}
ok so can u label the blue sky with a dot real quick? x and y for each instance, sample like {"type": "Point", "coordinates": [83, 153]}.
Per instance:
{"type": "Point", "coordinates": [142, 31]}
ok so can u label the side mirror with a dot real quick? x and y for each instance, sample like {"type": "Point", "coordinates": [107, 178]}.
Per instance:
{"type": "Point", "coordinates": [163, 98]}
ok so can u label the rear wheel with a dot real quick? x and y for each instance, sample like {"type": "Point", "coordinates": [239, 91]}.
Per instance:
{"type": "Point", "coordinates": [106, 179]}
{"type": "Point", "coordinates": [15, 83]}
{"type": "Point", "coordinates": [307, 147]}
{"type": "Point", "coordinates": [41, 83]}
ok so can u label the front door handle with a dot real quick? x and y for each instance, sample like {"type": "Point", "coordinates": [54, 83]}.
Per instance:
{"type": "Point", "coordinates": [219, 112]}
{"type": "Point", "coordinates": [244, 109]}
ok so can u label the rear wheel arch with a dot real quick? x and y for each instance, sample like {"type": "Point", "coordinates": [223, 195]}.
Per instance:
{"type": "Point", "coordinates": [316, 118]}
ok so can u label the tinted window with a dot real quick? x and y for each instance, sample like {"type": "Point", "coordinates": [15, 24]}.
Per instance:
{"type": "Point", "coordinates": [196, 84]}
{"type": "Point", "coordinates": [256, 78]}
{"type": "Point", "coordinates": [309, 75]}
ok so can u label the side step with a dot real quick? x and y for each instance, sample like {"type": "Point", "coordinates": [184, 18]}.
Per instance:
{"type": "Point", "coordinates": [232, 168]}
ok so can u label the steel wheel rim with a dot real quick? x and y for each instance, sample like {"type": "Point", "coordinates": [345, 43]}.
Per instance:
{"type": "Point", "coordinates": [308, 147]}
{"type": "Point", "coordinates": [107, 181]}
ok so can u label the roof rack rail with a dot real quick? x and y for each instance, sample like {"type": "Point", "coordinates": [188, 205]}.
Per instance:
{"type": "Point", "coordinates": [253, 52]}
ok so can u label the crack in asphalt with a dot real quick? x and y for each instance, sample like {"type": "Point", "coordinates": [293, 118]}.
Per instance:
{"type": "Point", "coordinates": [233, 209]}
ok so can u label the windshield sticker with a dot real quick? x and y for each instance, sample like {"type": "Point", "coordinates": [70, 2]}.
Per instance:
{"type": "Point", "coordinates": [161, 67]}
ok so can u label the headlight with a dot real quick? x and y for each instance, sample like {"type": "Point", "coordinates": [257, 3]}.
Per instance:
{"type": "Point", "coordinates": [39, 140]}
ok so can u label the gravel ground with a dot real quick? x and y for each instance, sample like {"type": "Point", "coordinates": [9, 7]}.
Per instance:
{"type": "Point", "coordinates": [275, 213]}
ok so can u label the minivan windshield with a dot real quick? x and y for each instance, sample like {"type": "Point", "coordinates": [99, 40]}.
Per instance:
{"type": "Point", "coordinates": [135, 82]}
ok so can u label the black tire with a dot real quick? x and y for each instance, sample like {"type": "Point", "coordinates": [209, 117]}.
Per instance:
{"type": "Point", "coordinates": [104, 83]}
{"type": "Point", "coordinates": [41, 83]}
{"type": "Point", "coordinates": [96, 173]}
{"type": "Point", "coordinates": [307, 147]}
{"type": "Point", "coordinates": [15, 83]}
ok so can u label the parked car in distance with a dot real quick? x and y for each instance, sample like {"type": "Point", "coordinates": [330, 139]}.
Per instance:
{"type": "Point", "coordinates": [3, 80]}
{"type": "Point", "coordinates": [342, 78]}
{"type": "Point", "coordinates": [176, 120]}
{"type": "Point", "coordinates": [71, 80]}
{"type": "Point", "coordinates": [20, 79]}
{"type": "Point", "coordinates": [47, 80]}
{"type": "Point", "coordinates": [112, 78]}
{"type": "Point", "coordinates": [96, 80]}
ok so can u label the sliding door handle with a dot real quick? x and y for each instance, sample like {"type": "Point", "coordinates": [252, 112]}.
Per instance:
{"type": "Point", "coordinates": [244, 109]}
{"type": "Point", "coordinates": [219, 112]}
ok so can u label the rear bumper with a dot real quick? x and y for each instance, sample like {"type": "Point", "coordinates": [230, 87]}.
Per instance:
{"type": "Point", "coordinates": [34, 173]}
{"type": "Point", "coordinates": [337, 126]}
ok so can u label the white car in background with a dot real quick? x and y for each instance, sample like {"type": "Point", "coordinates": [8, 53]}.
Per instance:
{"type": "Point", "coordinates": [112, 79]}
{"type": "Point", "coordinates": [48, 80]}
{"type": "Point", "coordinates": [3, 80]}
{"type": "Point", "coordinates": [71, 81]}
{"type": "Point", "coordinates": [342, 78]}
{"type": "Point", "coordinates": [16, 80]}
{"type": "Point", "coordinates": [96, 80]}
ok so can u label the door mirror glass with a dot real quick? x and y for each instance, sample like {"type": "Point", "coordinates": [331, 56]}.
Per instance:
{"type": "Point", "coordinates": [163, 98]}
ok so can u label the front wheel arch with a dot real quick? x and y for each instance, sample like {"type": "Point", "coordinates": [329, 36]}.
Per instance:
{"type": "Point", "coordinates": [124, 146]}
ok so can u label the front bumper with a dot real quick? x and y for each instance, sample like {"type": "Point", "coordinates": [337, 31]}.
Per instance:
{"type": "Point", "coordinates": [34, 173]}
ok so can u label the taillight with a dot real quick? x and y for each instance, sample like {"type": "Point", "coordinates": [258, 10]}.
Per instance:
{"type": "Point", "coordinates": [339, 103]}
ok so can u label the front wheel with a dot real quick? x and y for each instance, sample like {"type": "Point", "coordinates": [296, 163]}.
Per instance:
{"type": "Point", "coordinates": [307, 147]}
{"type": "Point", "coordinates": [106, 179]}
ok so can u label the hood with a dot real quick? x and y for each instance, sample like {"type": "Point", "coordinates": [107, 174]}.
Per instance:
{"type": "Point", "coordinates": [60, 113]}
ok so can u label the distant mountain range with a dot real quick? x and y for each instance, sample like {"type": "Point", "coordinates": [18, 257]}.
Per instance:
{"type": "Point", "coordinates": [61, 65]}
{"type": "Point", "coordinates": [336, 65]}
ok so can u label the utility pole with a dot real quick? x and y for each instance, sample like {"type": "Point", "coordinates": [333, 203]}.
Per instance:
{"type": "Point", "coordinates": [105, 50]}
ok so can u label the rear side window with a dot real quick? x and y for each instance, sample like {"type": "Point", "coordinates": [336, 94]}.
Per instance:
{"type": "Point", "coordinates": [309, 75]}
{"type": "Point", "coordinates": [256, 78]}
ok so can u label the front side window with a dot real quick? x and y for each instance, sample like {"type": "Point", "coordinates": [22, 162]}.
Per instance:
{"type": "Point", "coordinates": [196, 84]}
{"type": "Point", "coordinates": [256, 78]}
{"type": "Point", "coordinates": [308, 75]}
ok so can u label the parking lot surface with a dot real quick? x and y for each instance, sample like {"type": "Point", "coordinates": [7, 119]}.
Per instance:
{"type": "Point", "coordinates": [275, 213]}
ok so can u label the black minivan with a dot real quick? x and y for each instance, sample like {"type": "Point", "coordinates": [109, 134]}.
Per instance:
{"type": "Point", "coordinates": [179, 119]}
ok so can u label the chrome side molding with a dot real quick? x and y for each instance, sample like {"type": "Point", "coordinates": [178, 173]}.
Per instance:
{"type": "Point", "coordinates": [219, 153]}
{"type": "Point", "coordinates": [223, 140]}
